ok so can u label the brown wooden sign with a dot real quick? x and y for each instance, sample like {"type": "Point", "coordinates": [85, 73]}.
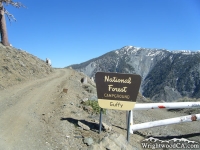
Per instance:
{"type": "Point", "coordinates": [117, 91]}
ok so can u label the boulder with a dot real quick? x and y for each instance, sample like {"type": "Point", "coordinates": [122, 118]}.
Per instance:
{"type": "Point", "coordinates": [88, 141]}
{"type": "Point", "coordinates": [85, 127]}
{"type": "Point", "coordinates": [106, 127]}
{"type": "Point", "coordinates": [113, 142]}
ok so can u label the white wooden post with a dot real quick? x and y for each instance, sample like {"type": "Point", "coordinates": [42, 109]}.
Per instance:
{"type": "Point", "coordinates": [85, 80]}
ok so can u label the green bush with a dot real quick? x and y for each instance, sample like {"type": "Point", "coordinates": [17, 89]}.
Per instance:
{"type": "Point", "coordinates": [94, 104]}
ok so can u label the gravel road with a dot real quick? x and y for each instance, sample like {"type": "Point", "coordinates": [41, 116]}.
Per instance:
{"type": "Point", "coordinates": [20, 111]}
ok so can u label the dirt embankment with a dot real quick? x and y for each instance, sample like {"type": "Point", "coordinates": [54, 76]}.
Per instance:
{"type": "Point", "coordinates": [17, 66]}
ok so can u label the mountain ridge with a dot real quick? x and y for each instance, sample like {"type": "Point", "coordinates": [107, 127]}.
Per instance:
{"type": "Point", "coordinates": [166, 75]}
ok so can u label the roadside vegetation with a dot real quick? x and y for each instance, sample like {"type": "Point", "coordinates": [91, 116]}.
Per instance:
{"type": "Point", "coordinates": [95, 106]}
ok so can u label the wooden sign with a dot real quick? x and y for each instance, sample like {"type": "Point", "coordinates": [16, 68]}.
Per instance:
{"type": "Point", "coordinates": [117, 91]}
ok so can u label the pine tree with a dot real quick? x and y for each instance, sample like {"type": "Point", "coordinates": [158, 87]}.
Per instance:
{"type": "Point", "coordinates": [3, 12]}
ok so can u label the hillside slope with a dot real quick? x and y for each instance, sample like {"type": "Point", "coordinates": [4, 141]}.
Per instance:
{"type": "Point", "coordinates": [17, 66]}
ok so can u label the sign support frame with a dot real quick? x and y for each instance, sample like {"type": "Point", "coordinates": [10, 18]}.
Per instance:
{"type": "Point", "coordinates": [128, 125]}
{"type": "Point", "coordinates": [100, 120]}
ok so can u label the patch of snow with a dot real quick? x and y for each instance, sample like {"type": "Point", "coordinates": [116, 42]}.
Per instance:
{"type": "Point", "coordinates": [153, 53]}
{"type": "Point", "coordinates": [117, 62]}
{"type": "Point", "coordinates": [117, 52]}
{"type": "Point", "coordinates": [151, 58]}
{"type": "Point", "coordinates": [137, 48]}
{"type": "Point", "coordinates": [128, 47]}
{"type": "Point", "coordinates": [182, 51]}
{"type": "Point", "coordinates": [186, 53]}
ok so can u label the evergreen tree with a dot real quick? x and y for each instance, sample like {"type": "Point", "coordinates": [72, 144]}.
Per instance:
{"type": "Point", "coordinates": [3, 12]}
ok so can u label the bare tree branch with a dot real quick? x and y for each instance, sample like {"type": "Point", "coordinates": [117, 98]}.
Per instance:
{"type": "Point", "coordinates": [15, 4]}
{"type": "Point", "coordinates": [3, 12]}
{"type": "Point", "coordinates": [10, 16]}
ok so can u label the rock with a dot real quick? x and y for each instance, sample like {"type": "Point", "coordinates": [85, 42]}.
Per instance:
{"type": "Point", "coordinates": [96, 146]}
{"type": "Point", "coordinates": [22, 64]}
{"type": "Point", "coordinates": [96, 121]}
{"type": "Point", "coordinates": [120, 141]}
{"type": "Point", "coordinates": [78, 136]}
{"type": "Point", "coordinates": [84, 92]}
{"type": "Point", "coordinates": [92, 79]}
{"type": "Point", "coordinates": [1, 87]}
{"type": "Point", "coordinates": [89, 88]}
{"type": "Point", "coordinates": [85, 127]}
{"type": "Point", "coordinates": [106, 127]}
{"type": "Point", "coordinates": [65, 90]}
{"type": "Point", "coordinates": [84, 80]}
{"type": "Point", "coordinates": [88, 109]}
{"type": "Point", "coordinates": [113, 142]}
{"type": "Point", "coordinates": [93, 97]}
{"type": "Point", "coordinates": [88, 141]}
{"type": "Point", "coordinates": [85, 99]}
{"type": "Point", "coordinates": [108, 144]}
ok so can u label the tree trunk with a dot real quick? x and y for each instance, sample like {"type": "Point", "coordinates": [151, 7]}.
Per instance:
{"type": "Point", "coordinates": [4, 36]}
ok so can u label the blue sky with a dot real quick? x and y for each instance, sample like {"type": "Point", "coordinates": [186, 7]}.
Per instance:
{"type": "Point", "coordinates": [73, 31]}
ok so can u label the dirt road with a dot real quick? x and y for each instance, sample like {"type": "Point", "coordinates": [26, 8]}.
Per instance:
{"type": "Point", "coordinates": [20, 108]}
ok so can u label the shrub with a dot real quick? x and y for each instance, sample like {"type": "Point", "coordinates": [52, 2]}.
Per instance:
{"type": "Point", "coordinates": [94, 104]}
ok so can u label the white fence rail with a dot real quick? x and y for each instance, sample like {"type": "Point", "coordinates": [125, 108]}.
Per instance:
{"type": "Point", "coordinates": [188, 118]}
{"type": "Point", "coordinates": [174, 105]}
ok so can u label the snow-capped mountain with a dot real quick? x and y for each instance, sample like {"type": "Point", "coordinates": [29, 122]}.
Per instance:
{"type": "Point", "coordinates": [166, 75]}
